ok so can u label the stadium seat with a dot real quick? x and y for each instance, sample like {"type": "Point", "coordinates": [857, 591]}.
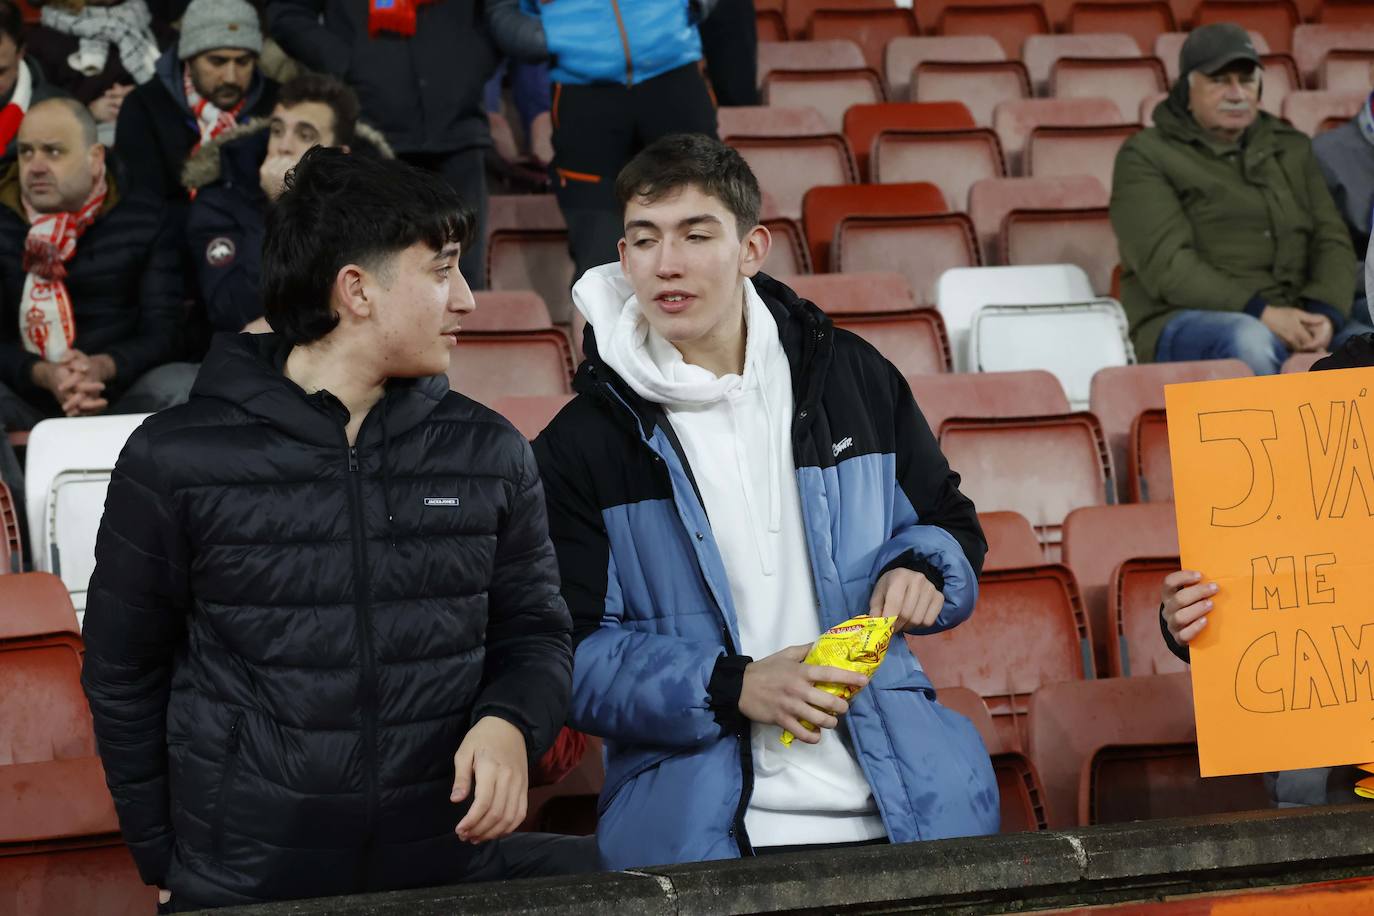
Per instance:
{"type": "Point", "coordinates": [1148, 106]}
{"type": "Point", "coordinates": [1027, 630]}
{"type": "Point", "coordinates": [1126, 81]}
{"type": "Point", "coordinates": [533, 259]}
{"type": "Point", "coordinates": [1056, 151]}
{"type": "Point", "coordinates": [1346, 12]}
{"type": "Point", "coordinates": [569, 806]}
{"type": "Point", "coordinates": [1017, 784]}
{"type": "Point", "coordinates": [830, 92]}
{"type": "Point", "coordinates": [825, 205]}
{"type": "Point", "coordinates": [1042, 467]}
{"type": "Point", "coordinates": [769, 121]}
{"type": "Point", "coordinates": [508, 312]}
{"type": "Point", "coordinates": [1135, 645]}
{"type": "Point", "coordinates": [945, 241]}
{"type": "Point", "coordinates": [1143, 20]}
{"type": "Point", "coordinates": [788, 254]}
{"type": "Point", "coordinates": [1042, 51]}
{"type": "Point", "coordinates": [487, 366]}
{"type": "Point", "coordinates": [870, 29]}
{"type": "Point", "coordinates": [903, 55]}
{"type": "Point", "coordinates": [1133, 782]}
{"type": "Point", "coordinates": [1119, 394]}
{"type": "Point", "coordinates": [962, 292]}
{"type": "Point", "coordinates": [1307, 111]}
{"type": "Point", "coordinates": [1098, 539]}
{"type": "Point", "coordinates": [983, 395]}
{"type": "Point", "coordinates": [1280, 80]}
{"type": "Point", "coordinates": [530, 414]}
{"type": "Point", "coordinates": [1011, 539]}
{"type": "Point", "coordinates": [1014, 121]}
{"type": "Point", "coordinates": [523, 211]}
{"type": "Point", "coordinates": [769, 25]}
{"type": "Point", "coordinates": [880, 308]}
{"type": "Point", "coordinates": [836, 54]}
{"type": "Point", "coordinates": [1011, 24]}
{"type": "Point", "coordinates": [1168, 46]}
{"type": "Point", "coordinates": [952, 159]}
{"type": "Point", "coordinates": [799, 13]}
{"type": "Point", "coordinates": [863, 123]}
{"type": "Point", "coordinates": [1346, 71]}
{"type": "Point", "coordinates": [11, 543]}
{"type": "Point", "coordinates": [67, 471]}
{"type": "Point", "coordinates": [1301, 362]}
{"type": "Point", "coordinates": [1149, 476]}
{"type": "Point", "coordinates": [982, 86]}
{"type": "Point", "coordinates": [1274, 19]}
{"type": "Point", "coordinates": [1313, 42]}
{"type": "Point", "coordinates": [1081, 236]}
{"type": "Point", "coordinates": [991, 200]}
{"type": "Point", "coordinates": [787, 167]}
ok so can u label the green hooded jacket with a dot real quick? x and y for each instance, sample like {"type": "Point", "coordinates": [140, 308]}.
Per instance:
{"type": "Point", "coordinates": [1204, 224]}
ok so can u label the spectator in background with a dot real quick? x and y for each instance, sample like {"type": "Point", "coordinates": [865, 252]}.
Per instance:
{"type": "Point", "coordinates": [206, 83]}
{"type": "Point", "coordinates": [23, 83]}
{"type": "Point", "coordinates": [1230, 243]}
{"type": "Point", "coordinates": [419, 69]}
{"type": "Point", "coordinates": [97, 51]}
{"type": "Point", "coordinates": [237, 176]}
{"type": "Point", "coordinates": [1346, 157]}
{"type": "Point", "coordinates": [623, 77]}
{"type": "Point", "coordinates": [693, 593]}
{"type": "Point", "coordinates": [730, 44]}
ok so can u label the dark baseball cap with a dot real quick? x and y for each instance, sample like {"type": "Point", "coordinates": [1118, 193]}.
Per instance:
{"type": "Point", "coordinates": [1211, 47]}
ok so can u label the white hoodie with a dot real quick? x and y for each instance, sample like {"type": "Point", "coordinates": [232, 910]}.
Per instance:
{"type": "Point", "coordinates": [737, 435]}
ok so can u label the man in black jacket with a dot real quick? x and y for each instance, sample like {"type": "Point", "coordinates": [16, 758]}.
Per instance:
{"type": "Point", "coordinates": [324, 625]}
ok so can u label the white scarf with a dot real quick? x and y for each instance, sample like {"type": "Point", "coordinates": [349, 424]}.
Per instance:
{"type": "Point", "coordinates": [127, 26]}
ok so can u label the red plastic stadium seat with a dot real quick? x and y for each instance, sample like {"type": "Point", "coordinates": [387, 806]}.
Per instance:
{"type": "Point", "coordinates": [1042, 51]}
{"type": "Point", "coordinates": [1151, 477]}
{"type": "Point", "coordinates": [1133, 782]}
{"type": "Point", "coordinates": [1274, 19]}
{"type": "Point", "coordinates": [879, 307]}
{"type": "Point", "coordinates": [769, 121]}
{"type": "Point", "coordinates": [903, 55]}
{"type": "Point", "coordinates": [489, 366]}
{"type": "Point", "coordinates": [981, 395]}
{"type": "Point", "coordinates": [1097, 539]}
{"type": "Point", "coordinates": [800, 12]}
{"type": "Point", "coordinates": [1307, 111]}
{"type": "Point", "coordinates": [1011, 24]}
{"type": "Point", "coordinates": [1148, 106]}
{"type": "Point", "coordinates": [945, 241]}
{"type": "Point", "coordinates": [831, 92]}
{"type": "Point", "coordinates": [982, 86]}
{"type": "Point", "coordinates": [1135, 646]}
{"type": "Point", "coordinates": [533, 259]}
{"type": "Point", "coordinates": [1126, 81]}
{"type": "Point", "coordinates": [1345, 71]}
{"type": "Point", "coordinates": [769, 25]}
{"type": "Point", "coordinates": [808, 55]}
{"type": "Point", "coordinates": [11, 545]}
{"type": "Point", "coordinates": [1346, 12]}
{"type": "Point", "coordinates": [1081, 236]}
{"type": "Point", "coordinates": [1019, 787]}
{"type": "Point", "coordinates": [824, 206]}
{"type": "Point", "coordinates": [523, 211]}
{"type": "Point", "coordinates": [508, 312]}
{"type": "Point", "coordinates": [863, 123]}
{"type": "Point", "coordinates": [928, 13]}
{"type": "Point", "coordinates": [1280, 80]}
{"type": "Point", "coordinates": [871, 29]}
{"type": "Point", "coordinates": [1053, 151]}
{"type": "Point", "coordinates": [1015, 121]}
{"type": "Point", "coordinates": [991, 200]}
{"type": "Point", "coordinates": [787, 167]}
{"type": "Point", "coordinates": [1042, 467]}
{"type": "Point", "coordinates": [1027, 630]}
{"type": "Point", "coordinates": [531, 414]}
{"type": "Point", "coordinates": [952, 159]}
{"type": "Point", "coordinates": [1143, 20]}
{"type": "Point", "coordinates": [1301, 362]}
{"type": "Point", "coordinates": [1011, 539]}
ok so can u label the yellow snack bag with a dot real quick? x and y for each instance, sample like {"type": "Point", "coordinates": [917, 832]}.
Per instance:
{"type": "Point", "coordinates": [858, 644]}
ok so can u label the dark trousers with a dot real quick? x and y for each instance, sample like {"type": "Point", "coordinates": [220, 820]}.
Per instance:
{"type": "Point", "coordinates": [465, 170]}
{"type": "Point", "coordinates": [730, 44]}
{"type": "Point", "coordinates": [597, 129]}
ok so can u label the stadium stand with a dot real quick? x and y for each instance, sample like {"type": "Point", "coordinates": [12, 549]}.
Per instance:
{"type": "Point", "coordinates": [991, 201]}
{"type": "Point", "coordinates": [1314, 111]}
{"type": "Point", "coordinates": [1345, 71]}
{"type": "Point", "coordinates": [831, 92]}
{"type": "Point", "coordinates": [1313, 42]}
{"type": "Point", "coordinates": [788, 254]}
{"type": "Point", "coordinates": [1280, 80]}
{"type": "Point", "coordinates": [867, 243]}
{"type": "Point", "coordinates": [952, 159]}
{"type": "Point", "coordinates": [824, 206]}
{"type": "Point", "coordinates": [527, 248]}
{"type": "Point", "coordinates": [1081, 236]}
{"type": "Point", "coordinates": [1147, 108]}
{"type": "Point", "coordinates": [787, 167]}
{"type": "Point", "coordinates": [1274, 19]}
{"type": "Point", "coordinates": [530, 414]}
{"type": "Point", "coordinates": [1143, 20]}
{"type": "Point", "coordinates": [870, 29]}
{"type": "Point", "coordinates": [11, 541]}
{"type": "Point", "coordinates": [1015, 121]}
{"type": "Point", "coordinates": [1149, 476]}
{"type": "Point", "coordinates": [1017, 784]}
{"type": "Point", "coordinates": [1042, 52]}
{"type": "Point", "coordinates": [1054, 151]}
{"type": "Point", "coordinates": [769, 121]}
{"type": "Point", "coordinates": [1126, 81]}
{"type": "Point", "coordinates": [981, 85]}
{"type": "Point", "coordinates": [1134, 647]}
{"type": "Point", "coordinates": [863, 123]}
{"type": "Point", "coordinates": [510, 347]}
{"type": "Point", "coordinates": [984, 395]}
{"type": "Point", "coordinates": [808, 55]}
{"type": "Point", "coordinates": [1011, 539]}
{"type": "Point", "coordinates": [1010, 24]}
{"type": "Point", "coordinates": [903, 55]}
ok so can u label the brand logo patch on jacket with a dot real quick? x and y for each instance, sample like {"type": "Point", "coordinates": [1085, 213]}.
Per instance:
{"type": "Point", "coordinates": [449, 501]}
{"type": "Point", "coordinates": [846, 442]}
{"type": "Point", "coordinates": [220, 252]}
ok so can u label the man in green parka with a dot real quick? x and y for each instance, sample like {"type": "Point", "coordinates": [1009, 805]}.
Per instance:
{"type": "Point", "coordinates": [1230, 243]}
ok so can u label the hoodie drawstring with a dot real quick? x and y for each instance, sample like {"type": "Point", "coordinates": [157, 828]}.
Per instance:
{"type": "Point", "coordinates": [386, 477]}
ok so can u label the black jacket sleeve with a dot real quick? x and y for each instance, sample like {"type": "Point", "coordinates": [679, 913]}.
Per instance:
{"type": "Point", "coordinates": [527, 678]}
{"type": "Point", "coordinates": [140, 154]}
{"type": "Point", "coordinates": [297, 27]}
{"type": "Point", "coordinates": [161, 310]}
{"type": "Point", "coordinates": [231, 290]}
{"type": "Point", "coordinates": [135, 621]}
{"type": "Point", "coordinates": [516, 34]}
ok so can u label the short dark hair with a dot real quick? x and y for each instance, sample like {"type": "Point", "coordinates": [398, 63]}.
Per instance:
{"type": "Point", "coordinates": [677, 161]}
{"type": "Point", "coordinates": [318, 87]}
{"type": "Point", "coordinates": [338, 209]}
{"type": "Point", "coordinates": [12, 22]}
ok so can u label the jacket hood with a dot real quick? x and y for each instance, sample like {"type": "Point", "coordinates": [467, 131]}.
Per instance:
{"type": "Point", "coordinates": [246, 370]}
{"type": "Point", "coordinates": [215, 158]}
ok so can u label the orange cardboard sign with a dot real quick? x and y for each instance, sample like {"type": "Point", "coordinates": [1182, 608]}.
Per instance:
{"type": "Point", "coordinates": [1274, 495]}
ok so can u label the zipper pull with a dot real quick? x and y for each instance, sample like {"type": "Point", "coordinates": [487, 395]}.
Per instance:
{"type": "Point", "coordinates": [353, 458]}
{"type": "Point", "coordinates": [234, 734]}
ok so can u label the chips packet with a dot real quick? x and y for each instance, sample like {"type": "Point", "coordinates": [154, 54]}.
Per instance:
{"type": "Point", "coordinates": [858, 644]}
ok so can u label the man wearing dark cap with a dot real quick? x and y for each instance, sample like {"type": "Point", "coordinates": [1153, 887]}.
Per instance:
{"type": "Point", "coordinates": [1231, 246]}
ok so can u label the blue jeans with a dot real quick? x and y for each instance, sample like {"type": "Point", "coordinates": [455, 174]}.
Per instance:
{"type": "Point", "coordinates": [1198, 334]}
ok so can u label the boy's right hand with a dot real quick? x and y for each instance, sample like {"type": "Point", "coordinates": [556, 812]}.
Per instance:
{"type": "Point", "coordinates": [781, 690]}
{"type": "Point", "coordinates": [1187, 601]}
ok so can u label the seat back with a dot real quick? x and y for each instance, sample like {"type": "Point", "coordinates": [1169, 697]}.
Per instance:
{"type": "Point", "coordinates": [531, 414]}
{"type": "Point", "coordinates": [1308, 110]}
{"type": "Point", "coordinates": [1015, 121]}
{"type": "Point", "coordinates": [486, 367]}
{"type": "Point", "coordinates": [831, 92]}
{"type": "Point", "coordinates": [863, 123]}
{"type": "Point", "coordinates": [1080, 236]}
{"type": "Point", "coordinates": [1345, 71]}
{"type": "Point", "coordinates": [1143, 20]}
{"type": "Point", "coordinates": [824, 206]}
{"type": "Point", "coordinates": [508, 312]}
{"type": "Point", "coordinates": [1056, 151]}
{"type": "Point", "coordinates": [1017, 784]}
{"type": "Point", "coordinates": [952, 159]}
{"type": "Point", "coordinates": [981, 85]}
{"type": "Point", "coordinates": [1010, 24]}
{"type": "Point", "coordinates": [869, 243]}
{"type": "Point", "coordinates": [1313, 42]}
{"type": "Point", "coordinates": [903, 55]}
{"type": "Point", "coordinates": [1274, 19]}
{"type": "Point", "coordinates": [1344, 12]}
{"type": "Point", "coordinates": [834, 54]}
{"type": "Point", "coordinates": [1027, 630]}
{"type": "Point", "coordinates": [788, 254]}
{"type": "Point", "coordinates": [1042, 51]}
{"type": "Point", "coordinates": [1135, 646]}
{"type": "Point", "coordinates": [1150, 475]}
{"type": "Point", "coordinates": [801, 13]}
{"type": "Point", "coordinates": [1127, 81]}
{"type": "Point", "coordinates": [533, 259]}
{"type": "Point", "coordinates": [769, 25]}
{"type": "Point", "coordinates": [962, 292]}
{"type": "Point", "coordinates": [870, 29]}
{"type": "Point", "coordinates": [992, 200]}
{"type": "Point", "coordinates": [523, 211]}
{"type": "Point", "coordinates": [788, 167]}
{"type": "Point", "coordinates": [1148, 106]}
{"type": "Point", "coordinates": [1011, 540]}
{"type": "Point", "coordinates": [1281, 79]}
{"type": "Point", "coordinates": [769, 121]}
{"type": "Point", "coordinates": [983, 395]}
{"type": "Point", "coordinates": [11, 544]}
{"type": "Point", "coordinates": [1132, 782]}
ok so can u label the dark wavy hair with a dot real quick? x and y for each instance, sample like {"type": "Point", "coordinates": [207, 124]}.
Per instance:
{"type": "Point", "coordinates": [672, 163]}
{"type": "Point", "coordinates": [339, 209]}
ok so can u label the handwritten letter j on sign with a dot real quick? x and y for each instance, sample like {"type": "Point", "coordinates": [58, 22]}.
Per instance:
{"type": "Point", "coordinates": [1274, 491]}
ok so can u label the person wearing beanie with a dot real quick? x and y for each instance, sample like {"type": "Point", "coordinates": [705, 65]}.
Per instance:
{"type": "Point", "coordinates": [1231, 246]}
{"type": "Point", "coordinates": [205, 84]}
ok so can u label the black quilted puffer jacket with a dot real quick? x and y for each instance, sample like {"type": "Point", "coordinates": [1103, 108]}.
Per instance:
{"type": "Point", "coordinates": [287, 638]}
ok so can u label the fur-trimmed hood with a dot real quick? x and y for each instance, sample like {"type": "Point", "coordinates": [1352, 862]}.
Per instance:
{"type": "Point", "coordinates": [205, 166]}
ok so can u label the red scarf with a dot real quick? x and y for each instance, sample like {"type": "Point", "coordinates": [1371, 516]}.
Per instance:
{"type": "Point", "coordinates": [45, 306]}
{"type": "Point", "coordinates": [392, 16]}
{"type": "Point", "coordinates": [209, 120]}
{"type": "Point", "coordinates": [13, 114]}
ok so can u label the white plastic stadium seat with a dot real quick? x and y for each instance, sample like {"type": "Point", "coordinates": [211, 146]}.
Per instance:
{"type": "Point", "coordinates": [962, 291]}
{"type": "Point", "coordinates": [67, 471]}
{"type": "Point", "coordinates": [1071, 340]}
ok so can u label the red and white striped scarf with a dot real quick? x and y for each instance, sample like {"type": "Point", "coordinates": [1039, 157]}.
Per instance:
{"type": "Point", "coordinates": [45, 307]}
{"type": "Point", "coordinates": [210, 120]}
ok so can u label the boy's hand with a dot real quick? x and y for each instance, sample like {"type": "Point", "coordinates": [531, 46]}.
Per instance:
{"type": "Point", "coordinates": [492, 765]}
{"type": "Point", "coordinates": [163, 896]}
{"type": "Point", "coordinates": [1187, 599]}
{"type": "Point", "coordinates": [907, 595]}
{"type": "Point", "coordinates": [781, 690]}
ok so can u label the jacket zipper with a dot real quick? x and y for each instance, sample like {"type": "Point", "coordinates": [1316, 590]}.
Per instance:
{"type": "Point", "coordinates": [231, 769]}
{"type": "Point", "coordinates": [624, 43]}
{"type": "Point", "coordinates": [364, 624]}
